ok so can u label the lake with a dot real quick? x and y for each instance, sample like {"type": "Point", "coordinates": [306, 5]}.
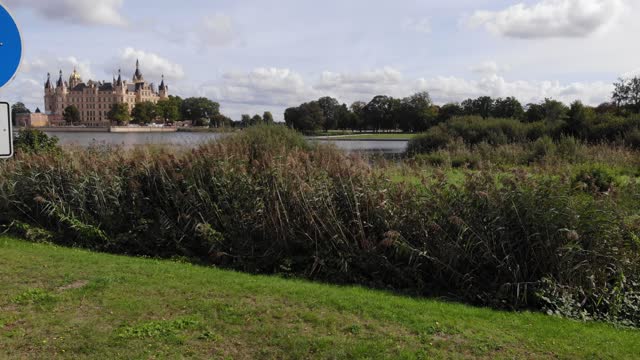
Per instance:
{"type": "Point", "coordinates": [192, 139]}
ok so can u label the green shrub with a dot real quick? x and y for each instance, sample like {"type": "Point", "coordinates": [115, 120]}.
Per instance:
{"type": "Point", "coordinates": [432, 159]}
{"type": "Point", "coordinates": [542, 148]}
{"type": "Point", "coordinates": [35, 141]}
{"type": "Point", "coordinates": [595, 178]}
{"type": "Point", "coordinates": [632, 139]}
{"type": "Point", "coordinates": [435, 139]}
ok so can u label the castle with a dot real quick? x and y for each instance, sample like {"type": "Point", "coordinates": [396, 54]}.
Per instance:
{"type": "Point", "coordinates": [95, 99]}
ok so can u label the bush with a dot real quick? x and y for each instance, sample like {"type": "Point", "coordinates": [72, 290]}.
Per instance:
{"type": "Point", "coordinates": [594, 178]}
{"type": "Point", "coordinates": [35, 141]}
{"type": "Point", "coordinates": [632, 139]}
{"type": "Point", "coordinates": [435, 139]}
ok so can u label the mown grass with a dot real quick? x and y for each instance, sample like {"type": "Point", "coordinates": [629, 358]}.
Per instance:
{"type": "Point", "coordinates": [67, 303]}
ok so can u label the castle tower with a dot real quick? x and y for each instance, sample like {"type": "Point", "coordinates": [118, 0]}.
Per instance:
{"type": "Point", "coordinates": [163, 89]}
{"type": "Point", "coordinates": [49, 94]}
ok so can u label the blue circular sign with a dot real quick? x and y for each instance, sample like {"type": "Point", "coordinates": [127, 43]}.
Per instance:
{"type": "Point", "coordinates": [10, 47]}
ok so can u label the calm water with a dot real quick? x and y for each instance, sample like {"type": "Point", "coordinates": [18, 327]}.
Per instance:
{"type": "Point", "coordinates": [192, 139]}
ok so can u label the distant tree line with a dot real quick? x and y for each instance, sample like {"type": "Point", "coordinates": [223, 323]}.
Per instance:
{"type": "Point", "coordinates": [417, 113]}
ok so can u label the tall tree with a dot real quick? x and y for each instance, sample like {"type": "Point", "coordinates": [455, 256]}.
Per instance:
{"type": "Point", "coordinates": [307, 118]}
{"type": "Point", "coordinates": [358, 120]}
{"type": "Point", "coordinates": [626, 93]}
{"type": "Point", "coordinates": [448, 111]}
{"type": "Point", "coordinates": [578, 118]}
{"type": "Point", "coordinates": [245, 120]}
{"type": "Point", "coordinates": [197, 109]}
{"type": "Point", "coordinates": [219, 120]}
{"type": "Point", "coordinates": [484, 106]}
{"type": "Point", "coordinates": [329, 107]}
{"type": "Point", "coordinates": [481, 106]}
{"type": "Point", "coordinates": [508, 107]}
{"type": "Point", "coordinates": [416, 112]}
{"type": "Point", "coordinates": [168, 110]}
{"type": "Point", "coordinates": [71, 115]}
{"type": "Point", "coordinates": [119, 114]}
{"type": "Point", "coordinates": [554, 110]}
{"type": "Point", "coordinates": [267, 117]}
{"type": "Point", "coordinates": [256, 120]}
{"type": "Point", "coordinates": [379, 112]}
{"type": "Point", "coordinates": [144, 113]}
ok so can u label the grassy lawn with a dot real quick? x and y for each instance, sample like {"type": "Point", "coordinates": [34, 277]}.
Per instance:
{"type": "Point", "coordinates": [68, 303]}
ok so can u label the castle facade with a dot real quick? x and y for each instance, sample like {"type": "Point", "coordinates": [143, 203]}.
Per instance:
{"type": "Point", "coordinates": [94, 99]}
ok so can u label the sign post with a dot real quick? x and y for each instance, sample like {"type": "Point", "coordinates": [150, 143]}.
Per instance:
{"type": "Point", "coordinates": [10, 57]}
{"type": "Point", "coordinates": [6, 133]}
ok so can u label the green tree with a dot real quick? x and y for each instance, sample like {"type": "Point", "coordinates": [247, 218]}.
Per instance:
{"type": "Point", "coordinates": [482, 106]}
{"type": "Point", "coordinates": [144, 113]}
{"type": "Point", "coordinates": [256, 120]}
{"type": "Point", "coordinates": [626, 93]}
{"type": "Point", "coordinates": [71, 115]}
{"type": "Point", "coordinates": [578, 119]}
{"type": "Point", "coordinates": [554, 110]}
{"type": "Point", "coordinates": [267, 117]}
{"type": "Point", "coordinates": [168, 110]}
{"type": "Point", "coordinates": [508, 107]}
{"type": "Point", "coordinates": [416, 112]}
{"type": "Point", "coordinates": [245, 120]}
{"type": "Point", "coordinates": [196, 109]}
{"type": "Point", "coordinates": [307, 118]}
{"type": "Point", "coordinates": [358, 120]}
{"type": "Point", "coordinates": [344, 117]}
{"type": "Point", "coordinates": [219, 121]}
{"type": "Point", "coordinates": [379, 113]}
{"type": "Point", "coordinates": [448, 111]}
{"type": "Point", "coordinates": [119, 114]}
{"type": "Point", "coordinates": [534, 113]}
{"type": "Point", "coordinates": [329, 107]}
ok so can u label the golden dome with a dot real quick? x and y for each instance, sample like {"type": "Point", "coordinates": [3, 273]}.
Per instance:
{"type": "Point", "coordinates": [75, 75]}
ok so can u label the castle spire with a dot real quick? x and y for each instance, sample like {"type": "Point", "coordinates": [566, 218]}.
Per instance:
{"type": "Point", "coordinates": [119, 82]}
{"type": "Point", "coordinates": [60, 82]}
{"type": "Point", "coordinates": [48, 85]}
{"type": "Point", "coordinates": [137, 76]}
{"type": "Point", "coordinates": [162, 85]}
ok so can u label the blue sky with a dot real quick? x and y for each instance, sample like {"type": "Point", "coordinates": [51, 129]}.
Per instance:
{"type": "Point", "coordinates": [253, 55]}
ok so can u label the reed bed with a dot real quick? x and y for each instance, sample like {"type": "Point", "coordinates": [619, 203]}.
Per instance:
{"type": "Point", "coordinates": [264, 201]}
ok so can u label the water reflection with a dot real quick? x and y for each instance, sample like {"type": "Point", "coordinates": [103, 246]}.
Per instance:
{"type": "Point", "coordinates": [188, 139]}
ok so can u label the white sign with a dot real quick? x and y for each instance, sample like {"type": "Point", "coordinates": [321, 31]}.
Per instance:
{"type": "Point", "coordinates": [6, 131]}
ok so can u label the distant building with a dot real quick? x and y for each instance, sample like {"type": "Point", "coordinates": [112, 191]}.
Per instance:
{"type": "Point", "coordinates": [32, 120]}
{"type": "Point", "coordinates": [95, 99]}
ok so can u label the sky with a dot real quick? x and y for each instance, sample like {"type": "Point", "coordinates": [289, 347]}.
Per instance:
{"type": "Point", "coordinates": [253, 56]}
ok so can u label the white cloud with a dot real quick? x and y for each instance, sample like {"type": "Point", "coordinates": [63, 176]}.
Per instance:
{"type": "Point", "coordinates": [261, 86]}
{"type": "Point", "coordinates": [91, 12]}
{"type": "Point", "coordinates": [354, 86]}
{"type": "Point", "coordinates": [28, 86]}
{"type": "Point", "coordinates": [153, 66]}
{"type": "Point", "coordinates": [489, 68]}
{"type": "Point", "coordinates": [454, 89]}
{"type": "Point", "coordinates": [550, 18]}
{"type": "Point", "coordinates": [216, 30]}
{"type": "Point", "coordinates": [421, 25]}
